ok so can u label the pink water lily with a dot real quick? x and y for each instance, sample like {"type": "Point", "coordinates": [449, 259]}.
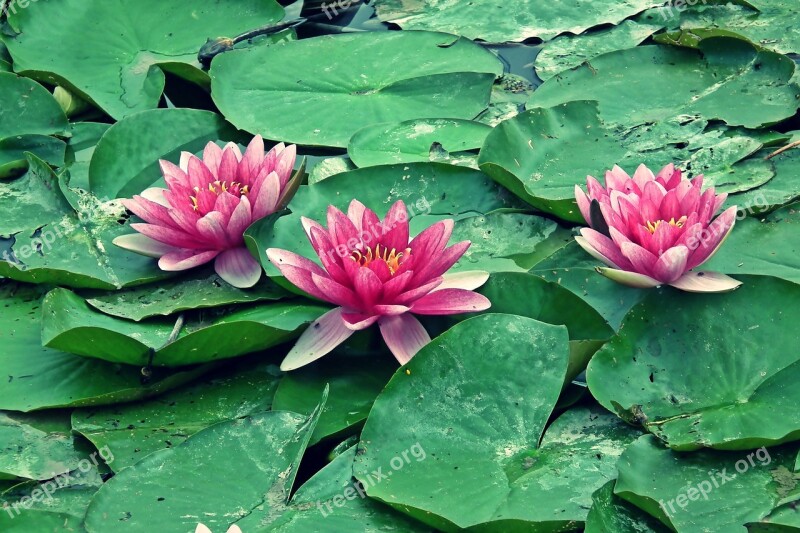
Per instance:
{"type": "Point", "coordinates": [207, 206]}
{"type": "Point", "coordinates": [374, 274]}
{"type": "Point", "coordinates": [654, 230]}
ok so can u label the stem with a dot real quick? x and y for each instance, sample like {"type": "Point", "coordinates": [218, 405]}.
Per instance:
{"type": "Point", "coordinates": [779, 151]}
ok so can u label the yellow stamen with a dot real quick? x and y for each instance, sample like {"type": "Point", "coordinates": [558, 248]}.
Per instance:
{"type": "Point", "coordinates": [392, 257]}
{"type": "Point", "coordinates": [653, 226]}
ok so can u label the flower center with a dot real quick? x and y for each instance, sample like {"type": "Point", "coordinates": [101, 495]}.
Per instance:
{"type": "Point", "coordinates": [392, 258]}
{"type": "Point", "coordinates": [218, 187]}
{"type": "Point", "coordinates": [653, 226]}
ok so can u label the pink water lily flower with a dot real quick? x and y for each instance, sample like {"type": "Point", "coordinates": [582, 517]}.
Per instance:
{"type": "Point", "coordinates": [653, 230]}
{"type": "Point", "coordinates": [207, 206]}
{"type": "Point", "coordinates": [372, 271]}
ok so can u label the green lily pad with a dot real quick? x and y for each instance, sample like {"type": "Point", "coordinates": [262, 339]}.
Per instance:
{"type": "Point", "coordinates": [533, 154]}
{"type": "Point", "coordinates": [13, 149]}
{"type": "Point", "coordinates": [569, 51]}
{"type": "Point", "coordinates": [310, 96]}
{"type": "Point", "coordinates": [56, 242]}
{"type": "Point", "coordinates": [421, 140]}
{"type": "Point", "coordinates": [497, 21]}
{"type": "Point", "coordinates": [125, 74]}
{"type": "Point", "coordinates": [125, 161]}
{"type": "Point", "coordinates": [440, 437]}
{"type": "Point", "coordinates": [328, 167]}
{"type": "Point", "coordinates": [63, 510]}
{"type": "Point", "coordinates": [783, 519]}
{"type": "Point", "coordinates": [355, 382]}
{"type": "Point", "coordinates": [36, 447]}
{"type": "Point", "coordinates": [612, 514]}
{"type": "Point", "coordinates": [199, 290]}
{"type": "Point", "coordinates": [572, 268]}
{"type": "Point", "coordinates": [768, 23]}
{"type": "Point", "coordinates": [726, 79]}
{"type": "Point", "coordinates": [702, 491]}
{"type": "Point", "coordinates": [682, 366]}
{"type": "Point", "coordinates": [510, 92]}
{"type": "Point", "coordinates": [434, 189]}
{"type": "Point", "coordinates": [783, 189]}
{"type": "Point", "coordinates": [768, 247]}
{"type": "Point", "coordinates": [27, 108]}
{"type": "Point", "coordinates": [132, 431]}
{"type": "Point", "coordinates": [40, 378]}
{"type": "Point", "coordinates": [80, 149]}
{"type": "Point", "coordinates": [247, 463]}
{"type": "Point", "coordinates": [69, 324]}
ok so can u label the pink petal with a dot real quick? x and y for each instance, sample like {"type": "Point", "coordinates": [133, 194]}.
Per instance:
{"type": "Point", "coordinates": [238, 267]}
{"type": "Point", "coordinates": [616, 178]}
{"type": "Point", "coordinates": [156, 194]}
{"type": "Point", "coordinates": [397, 222]}
{"type": "Point", "coordinates": [416, 292]}
{"type": "Point", "coordinates": [355, 212]}
{"type": "Point", "coordinates": [642, 260]}
{"type": "Point", "coordinates": [297, 269]}
{"type": "Point", "coordinates": [185, 259]}
{"type": "Point", "coordinates": [430, 243]}
{"type": "Point", "coordinates": [228, 166]}
{"type": "Point", "coordinates": [463, 280]}
{"type": "Point", "coordinates": [642, 176]}
{"type": "Point", "coordinates": [322, 336]}
{"type": "Point", "coordinates": [712, 238]}
{"type": "Point", "coordinates": [706, 282]}
{"type": "Point", "coordinates": [335, 292]}
{"type": "Point", "coordinates": [251, 161]}
{"type": "Point", "coordinates": [240, 220]}
{"type": "Point", "coordinates": [632, 279]}
{"type": "Point", "coordinates": [602, 248]}
{"type": "Point", "coordinates": [368, 287]}
{"type": "Point", "coordinates": [450, 301]}
{"type": "Point", "coordinates": [358, 321]}
{"type": "Point", "coordinates": [341, 228]}
{"type": "Point", "coordinates": [671, 265]}
{"type": "Point", "coordinates": [285, 164]}
{"type": "Point", "coordinates": [267, 197]}
{"type": "Point", "coordinates": [442, 263]}
{"type": "Point", "coordinates": [173, 175]}
{"type": "Point", "coordinates": [391, 310]}
{"type": "Point", "coordinates": [404, 335]}
{"type": "Point", "coordinates": [169, 236]}
{"type": "Point", "coordinates": [212, 228]}
{"type": "Point", "coordinates": [140, 244]}
{"type": "Point", "coordinates": [149, 211]}
{"type": "Point", "coordinates": [225, 204]}
{"type": "Point", "coordinates": [199, 175]}
{"type": "Point", "coordinates": [212, 157]}
{"type": "Point", "coordinates": [583, 203]}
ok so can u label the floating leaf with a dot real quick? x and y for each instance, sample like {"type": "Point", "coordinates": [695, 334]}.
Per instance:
{"type": "Point", "coordinates": [69, 324]}
{"type": "Point", "coordinates": [118, 58]}
{"type": "Point", "coordinates": [310, 96]}
{"type": "Point", "coordinates": [682, 366]}
{"type": "Point", "coordinates": [612, 514]}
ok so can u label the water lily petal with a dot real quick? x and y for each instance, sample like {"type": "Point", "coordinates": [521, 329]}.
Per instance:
{"type": "Point", "coordinates": [322, 336]}
{"type": "Point", "coordinates": [583, 203]}
{"type": "Point", "coordinates": [450, 301]}
{"type": "Point", "coordinates": [712, 238]}
{"type": "Point", "coordinates": [358, 321]}
{"type": "Point", "coordinates": [463, 280]}
{"type": "Point", "coordinates": [185, 259]}
{"type": "Point", "coordinates": [266, 197]}
{"type": "Point", "coordinates": [156, 194]}
{"type": "Point", "coordinates": [706, 282]}
{"type": "Point", "coordinates": [212, 157]}
{"type": "Point", "coordinates": [404, 335]}
{"type": "Point", "coordinates": [671, 264]}
{"type": "Point", "coordinates": [141, 244]}
{"type": "Point", "coordinates": [632, 279]}
{"type": "Point", "coordinates": [238, 267]}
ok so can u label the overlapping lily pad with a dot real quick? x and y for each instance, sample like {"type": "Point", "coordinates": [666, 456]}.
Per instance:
{"type": "Point", "coordinates": [725, 79]}
{"type": "Point", "coordinates": [129, 432]}
{"type": "Point", "coordinates": [683, 366]}
{"type": "Point", "coordinates": [118, 58]}
{"type": "Point", "coordinates": [61, 236]}
{"type": "Point", "coordinates": [38, 377]}
{"type": "Point", "coordinates": [483, 445]}
{"type": "Point", "coordinates": [310, 96]}
{"type": "Point", "coordinates": [612, 514]}
{"type": "Point", "coordinates": [125, 161]}
{"type": "Point", "coordinates": [263, 451]}
{"type": "Point", "coordinates": [498, 21]}
{"type": "Point", "coordinates": [199, 290]}
{"type": "Point", "coordinates": [704, 490]}
{"type": "Point", "coordinates": [443, 140]}
{"type": "Point", "coordinates": [69, 324]}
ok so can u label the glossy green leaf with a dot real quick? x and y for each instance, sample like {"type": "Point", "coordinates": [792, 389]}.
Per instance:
{"type": "Point", "coordinates": [783, 189]}
{"type": "Point", "coordinates": [703, 491]}
{"type": "Point", "coordinates": [63, 510]}
{"type": "Point", "coordinates": [726, 79]}
{"type": "Point", "coordinates": [12, 152]}
{"type": "Point", "coordinates": [248, 463]}
{"type": "Point", "coordinates": [441, 437]}
{"type": "Point", "coordinates": [39, 378]}
{"type": "Point", "coordinates": [198, 290]}
{"type": "Point", "coordinates": [27, 108]}
{"type": "Point", "coordinates": [612, 514]}
{"type": "Point", "coordinates": [498, 21]}
{"type": "Point", "coordinates": [69, 324]}
{"type": "Point", "coordinates": [310, 96]}
{"type": "Point", "coordinates": [118, 58]}
{"type": "Point", "coordinates": [132, 431]}
{"type": "Point", "coordinates": [421, 140]}
{"type": "Point", "coordinates": [125, 161]}
{"type": "Point", "coordinates": [683, 366]}
{"type": "Point", "coordinates": [80, 149]}
{"type": "Point", "coordinates": [56, 242]}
